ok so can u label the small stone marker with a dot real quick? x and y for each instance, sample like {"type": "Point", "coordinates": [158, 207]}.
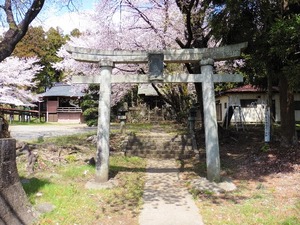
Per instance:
{"type": "Point", "coordinates": [205, 56]}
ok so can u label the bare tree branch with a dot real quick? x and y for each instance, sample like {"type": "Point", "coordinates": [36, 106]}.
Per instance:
{"type": "Point", "coordinates": [17, 31]}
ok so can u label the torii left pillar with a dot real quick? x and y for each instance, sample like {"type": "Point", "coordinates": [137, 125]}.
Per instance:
{"type": "Point", "coordinates": [102, 155]}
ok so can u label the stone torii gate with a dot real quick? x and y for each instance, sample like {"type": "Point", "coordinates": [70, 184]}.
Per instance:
{"type": "Point", "coordinates": [206, 57]}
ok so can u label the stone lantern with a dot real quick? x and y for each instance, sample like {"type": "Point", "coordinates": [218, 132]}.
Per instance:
{"type": "Point", "coordinates": [192, 118]}
{"type": "Point", "coordinates": [122, 116]}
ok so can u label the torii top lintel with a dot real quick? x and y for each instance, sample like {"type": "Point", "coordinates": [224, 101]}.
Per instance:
{"type": "Point", "coordinates": [170, 56]}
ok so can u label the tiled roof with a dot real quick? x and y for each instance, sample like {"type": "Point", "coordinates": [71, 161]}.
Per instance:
{"type": "Point", "coordinates": [245, 88]}
{"type": "Point", "coordinates": [147, 90]}
{"type": "Point", "coordinates": [248, 88]}
{"type": "Point", "coordinates": [63, 90]}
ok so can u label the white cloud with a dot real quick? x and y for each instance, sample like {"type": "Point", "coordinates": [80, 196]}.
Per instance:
{"type": "Point", "coordinates": [67, 21]}
{"type": "Point", "coordinates": [58, 16]}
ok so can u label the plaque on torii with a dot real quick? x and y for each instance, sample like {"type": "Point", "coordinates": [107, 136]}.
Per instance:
{"type": "Point", "coordinates": [205, 56]}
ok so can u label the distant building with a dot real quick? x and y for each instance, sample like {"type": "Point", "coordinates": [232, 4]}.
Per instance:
{"type": "Point", "coordinates": [62, 104]}
{"type": "Point", "coordinates": [248, 103]}
{"type": "Point", "coordinates": [149, 96]}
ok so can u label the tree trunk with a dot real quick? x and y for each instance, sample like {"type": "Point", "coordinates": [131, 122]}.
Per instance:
{"type": "Point", "coordinates": [198, 87]}
{"type": "Point", "coordinates": [4, 132]}
{"type": "Point", "coordinates": [270, 104]}
{"type": "Point", "coordinates": [287, 113]}
{"type": "Point", "coordinates": [14, 206]}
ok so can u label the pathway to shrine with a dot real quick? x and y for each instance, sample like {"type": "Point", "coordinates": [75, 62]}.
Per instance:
{"type": "Point", "coordinates": [155, 59]}
{"type": "Point", "coordinates": [166, 200]}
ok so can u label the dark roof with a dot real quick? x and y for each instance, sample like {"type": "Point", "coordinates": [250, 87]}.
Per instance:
{"type": "Point", "coordinates": [64, 90]}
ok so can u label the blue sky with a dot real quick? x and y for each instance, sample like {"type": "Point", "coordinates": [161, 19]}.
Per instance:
{"type": "Point", "coordinates": [56, 16]}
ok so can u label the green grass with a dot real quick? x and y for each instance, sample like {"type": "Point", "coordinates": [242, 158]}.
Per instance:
{"type": "Point", "coordinates": [250, 211]}
{"type": "Point", "coordinates": [75, 139]}
{"type": "Point", "coordinates": [63, 185]}
{"type": "Point", "coordinates": [31, 123]}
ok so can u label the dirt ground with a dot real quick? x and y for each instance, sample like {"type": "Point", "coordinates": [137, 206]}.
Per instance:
{"type": "Point", "coordinates": [253, 165]}
{"type": "Point", "coordinates": [245, 156]}
{"type": "Point", "coordinates": [33, 132]}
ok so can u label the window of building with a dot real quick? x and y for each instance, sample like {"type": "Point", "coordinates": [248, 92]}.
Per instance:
{"type": "Point", "coordinates": [297, 105]}
{"type": "Point", "coordinates": [247, 103]}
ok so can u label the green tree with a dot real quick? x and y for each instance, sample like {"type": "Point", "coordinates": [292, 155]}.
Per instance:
{"type": "Point", "coordinates": [44, 45]}
{"type": "Point", "coordinates": [89, 105]}
{"type": "Point", "coordinates": [75, 33]}
{"type": "Point", "coordinates": [272, 31]}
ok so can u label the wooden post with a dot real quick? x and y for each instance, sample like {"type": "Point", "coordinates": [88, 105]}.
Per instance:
{"type": "Point", "coordinates": [210, 121]}
{"type": "Point", "coordinates": [102, 157]}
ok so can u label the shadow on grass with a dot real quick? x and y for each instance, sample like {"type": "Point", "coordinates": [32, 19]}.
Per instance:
{"type": "Point", "coordinates": [114, 170]}
{"type": "Point", "coordinates": [33, 185]}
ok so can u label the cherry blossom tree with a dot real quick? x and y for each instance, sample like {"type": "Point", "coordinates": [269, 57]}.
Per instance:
{"type": "Point", "coordinates": [16, 79]}
{"type": "Point", "coordinates": [130, 25]}
{"type": "Point", "coordinates": [15, 76]}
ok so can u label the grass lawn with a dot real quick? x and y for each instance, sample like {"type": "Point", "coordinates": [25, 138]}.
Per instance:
{"type": "Point", "coordinates": [61, 181]}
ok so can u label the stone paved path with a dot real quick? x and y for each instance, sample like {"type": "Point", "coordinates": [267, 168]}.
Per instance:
{"type": "Point", "coordinates": [166, 201]}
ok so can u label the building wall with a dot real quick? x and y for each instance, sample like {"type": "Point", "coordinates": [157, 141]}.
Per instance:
{"type": "Point", "coordinates": [248, 107]}
{"type": "Point", "coordinates": [253, 113]}
{"type": "Point", "coordinates": [277, 107]}
{"type": "Point", "coordinates": [54, 115]}
{"type": "Point", "coordinates": [297, 106]}
{"type": "Point", "coordinates": [52, 106]}
{"type": "Point", "coordinates": [51, 110]}
{"type": "Point", "coordinates": [70, 117]}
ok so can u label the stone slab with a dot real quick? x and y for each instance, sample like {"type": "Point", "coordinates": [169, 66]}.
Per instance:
{"type": "Point", "coordinates": [176, 78]}
{"type": "Point", "coordinates": [170, 55]}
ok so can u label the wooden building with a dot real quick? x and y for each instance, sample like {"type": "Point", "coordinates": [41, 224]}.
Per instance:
{"type": "Point", "coordinates": [62, 104]}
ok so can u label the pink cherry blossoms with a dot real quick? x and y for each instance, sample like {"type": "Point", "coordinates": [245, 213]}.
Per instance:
{"type": "Point", "coordinates": [131, 25]}
{"type": "Point", "coordinates": [16, 78]}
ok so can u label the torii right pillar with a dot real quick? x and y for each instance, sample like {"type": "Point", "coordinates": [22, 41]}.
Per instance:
{"type": "Point", "coordinates": [210, 121]}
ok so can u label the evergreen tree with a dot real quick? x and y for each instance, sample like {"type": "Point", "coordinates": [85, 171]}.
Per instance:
{"type": "Point", "coordinates": [44, 45]}
{"type": "Point", "coordinates": [272, 30]}
{"type": "Point", "coordinates": [89, 105]}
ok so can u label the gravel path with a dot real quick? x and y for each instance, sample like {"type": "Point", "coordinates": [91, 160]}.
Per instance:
{"type": "Point", "coordinates": [33, 132]}
{"type": "Point", "coordinates": [166, 201]}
